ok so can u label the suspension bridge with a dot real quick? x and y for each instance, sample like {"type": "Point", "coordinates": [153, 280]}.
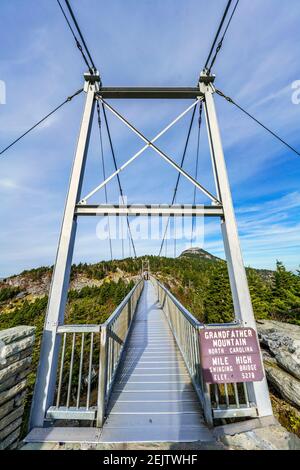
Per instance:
{"type": "Point", "coordinates": [139, 376]}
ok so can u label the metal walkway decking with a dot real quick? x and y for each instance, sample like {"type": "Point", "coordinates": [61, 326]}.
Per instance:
{"type": "Point", "coordinates": [153, 398]}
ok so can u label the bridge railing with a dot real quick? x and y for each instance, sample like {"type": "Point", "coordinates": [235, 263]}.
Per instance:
{"type": "Point", "coordinates": [218, 401]}
{"type": "Point", "coordinates": [77, 375]}
{"type": "Point", "coordinates": [185, 328]}
{"type": "Point", "coordinates": [89, 358]}
{"type": "Point", "coordinates": [114, 333]}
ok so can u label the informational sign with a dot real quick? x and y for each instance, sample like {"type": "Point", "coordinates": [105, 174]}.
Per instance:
{"type": "Point", "coordinates": [230, 355]}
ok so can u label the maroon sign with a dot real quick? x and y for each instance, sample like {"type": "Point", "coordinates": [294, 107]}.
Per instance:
{"type": "Point", "coordinates": [230, 355]}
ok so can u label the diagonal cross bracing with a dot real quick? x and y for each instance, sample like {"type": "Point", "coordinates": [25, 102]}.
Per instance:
{"type": "Point", "coordinates": [150, 144]}
{"type": "Point", "coordinates": [162, 154]}
{"type": "Point", "coordinates": [137, 154]}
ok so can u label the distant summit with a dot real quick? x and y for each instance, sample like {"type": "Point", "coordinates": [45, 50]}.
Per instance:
{"type": "Point", "coordinates": [199, 253]}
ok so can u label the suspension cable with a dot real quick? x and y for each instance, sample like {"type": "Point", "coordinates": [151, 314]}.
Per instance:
{"type": "Point", "coordinates": [41, 120]}
{"type": "Point", "coordinates": [178, 176]}
{"type": "Point", "coordinates": [218, 33]}
{"type": "Point", "coordinates": [196, 166]}
{"type": "Point", "coordinates": [230, 100]}
{"type": "Point", "coordinates": [104, 175]}
{"type": "Point", "coordinates": [77, 42]}
{"type": "Point", "coordinates": [174, 233]}
{"type": "Point", "coordinates": [118, 178]}
{"type": "Point", "coordinates": [222, 39]}
{"type": "Point", "coordinates": [80, 34]}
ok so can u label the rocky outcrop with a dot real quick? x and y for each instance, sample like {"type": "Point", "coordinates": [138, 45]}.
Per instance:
{"type": "Point", "coordinates": [15, 358]}
{"type": "Point", "coordinates": [199, 252]}
{"type": "Point", "coordinates": [266, 438]}
{"type": "Point", "coordinates": [30, 286]}
{"type": "Point", "coordinates": [41, 286]}
{"type": "Point", "coordinates": [281, 343]}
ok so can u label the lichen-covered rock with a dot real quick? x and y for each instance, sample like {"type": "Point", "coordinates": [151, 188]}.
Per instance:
{"type": "Point", "coordinates": [14, 379]}
{"type": "Point", "coordinates": [10, 428]}
{"type": "Point", "coordinates": [14, 368]}
{"type": "Point", "coordinates": [11, 417]}
{"type": "Point", "coordinates": [15, 334]}
{"type": "Point", "coordinates": [283, 341]}
{"type": "Point", "coordinates": [6, 408]}
{"type": "Point", "coordinates": [5, 362]}
{"type": "Point", "coordinates": [266, 438]}
{"type": "Point", "coordinates": [15, 360]}
{"type": "Point", "coordinates": [10, 440]}
{"type": "Point", "coordinates": [287, 385]}
{"type": "Point", "coordinates": [8, 350]}
{"type": "Point", "coordinates": [12, 392]}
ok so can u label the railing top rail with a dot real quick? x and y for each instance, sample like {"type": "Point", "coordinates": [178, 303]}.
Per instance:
{"type": "Point", "coordinates": [79, 329]}
{"type": "Point", "coordinates": [233, 324]}
{"type": "Point", "coordinates": [182, 309]}
{"type": "Point", "coordinates": [121, 306]}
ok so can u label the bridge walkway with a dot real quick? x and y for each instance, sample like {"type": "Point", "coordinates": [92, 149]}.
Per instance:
{"type": "Point", "coordinates": [153, 398]}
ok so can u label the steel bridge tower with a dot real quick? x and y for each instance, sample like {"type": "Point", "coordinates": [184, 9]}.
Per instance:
{"type": "Point", "coordinates": [76, 205]}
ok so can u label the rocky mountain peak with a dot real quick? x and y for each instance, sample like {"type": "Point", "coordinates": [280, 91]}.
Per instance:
{"type": "Point", "coordinates": [199, 252]}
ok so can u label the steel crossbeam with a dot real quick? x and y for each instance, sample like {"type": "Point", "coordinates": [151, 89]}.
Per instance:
{"type": "Point", "coordinates": [150, 92]}
{"type": "Point", "coordinates": [160, 210]}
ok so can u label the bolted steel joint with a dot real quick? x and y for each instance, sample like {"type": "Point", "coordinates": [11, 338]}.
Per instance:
{"type": "Point", "coordinates": [92, 78]}
{"type": "Point", "coordinates": [206, 77]}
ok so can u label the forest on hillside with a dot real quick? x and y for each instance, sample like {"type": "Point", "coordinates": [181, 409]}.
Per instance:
{"type": "Point", "coordinates": [201, 285]}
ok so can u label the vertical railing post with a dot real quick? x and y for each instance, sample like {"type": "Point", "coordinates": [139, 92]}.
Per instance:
{"type": "Point", "coordinates": [130, 309]}
{"type": "Point", "coordinates": [237, 273]}
{"type": "Point", "coordinates": [102, 384]}
{"type": "Point", "coordinates": [46, 375]}
{"type": "Point", "coordinates": [207, 409]}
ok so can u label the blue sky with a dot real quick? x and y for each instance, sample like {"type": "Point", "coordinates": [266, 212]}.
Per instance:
{"type": "Point", "coordinates": [149, 43]}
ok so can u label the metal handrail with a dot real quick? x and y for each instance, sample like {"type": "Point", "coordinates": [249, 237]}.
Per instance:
{"type": "Point", "coordinates": [95, 350]}
{"type": "Point", "coordinates": [215, 399]}
{"type": "Point", "coordinates": [121, 306]}
{"type": "Point", "coordinates": [114, 333]}
{"type": "Point", "coordinates": [76, 402]}
{"type": "Point", "coordinates": [180, 307]}
{"type": "Point", "coordinates": [185, 328]}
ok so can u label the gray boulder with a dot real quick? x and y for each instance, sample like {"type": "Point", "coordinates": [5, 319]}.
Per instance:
{"type": "Point", "coordinates": [266, 438]}
{"type": "Point", "coordinates": [287, 385]}
{"type": "Point", "coordinates": [283, 341]}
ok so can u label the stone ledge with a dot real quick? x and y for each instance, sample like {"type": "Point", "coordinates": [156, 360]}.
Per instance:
{"type": "Point", "coordinates": [286, 384]}
{"type": "Point", "coordinates": [17, 333]}
{"type": "Point", "coordinates": [15, 358]}
{"type": "Point", "coordinates": [15, 348]}
{"type": "Point", "coordinates": [14, 379]}
{"type": "Point", "coordinates": [6, 395]}
{"type": "Point", "coordinates": [14, 368]}
{"type": "Point", "coordinates": [244, 426]}
{"type": "Point", "coordinates": [10, 440]}
{"type": "Point", "coordinates": [9, 418]}
{"type": "Point", "coordinates": [274, 437]}
{"type": "Point", "coordinates": [10, 428]}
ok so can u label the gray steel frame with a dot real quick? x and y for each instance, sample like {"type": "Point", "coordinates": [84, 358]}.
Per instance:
{"type": "Point", "coordinates": [46, 375]}
{"type": "Point", "coordinates": [258, 391]}
{"type": "Point", "coordinates": [161, 210]}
